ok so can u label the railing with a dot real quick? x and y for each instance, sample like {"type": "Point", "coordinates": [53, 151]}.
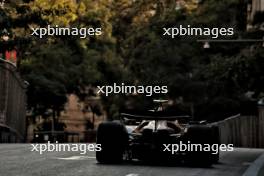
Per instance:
{"type": "Point", "coordinates": [243, 131]}
{"type": "Point", "coordinates": [12, 104]}
{"type": "Point", "coordinates": [64, 136]}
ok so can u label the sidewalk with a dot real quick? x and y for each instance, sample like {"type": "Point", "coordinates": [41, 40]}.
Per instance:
{"type": "Point", "coordinates": [261, 172]}
{"type": "Point", "coordinates": [256, 168]}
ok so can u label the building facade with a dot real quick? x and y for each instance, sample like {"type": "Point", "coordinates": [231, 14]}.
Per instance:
{"type": "Point", "coordinates": [12, 104]}
{"type": "Point", "coordinates": [254, 7]}
{"type": "Point", "coordinates": [78, 120]}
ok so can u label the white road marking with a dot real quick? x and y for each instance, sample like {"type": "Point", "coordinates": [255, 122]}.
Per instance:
{"type": "Point", "coordinates": [246, 163]}
{"type": "Point", "coordinates": [77, 158]}
{"type": "Point", "coordinates": [132, 174]}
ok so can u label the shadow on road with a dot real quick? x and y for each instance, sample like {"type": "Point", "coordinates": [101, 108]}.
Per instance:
{"type": "Point", "coordinates": [161, 164]}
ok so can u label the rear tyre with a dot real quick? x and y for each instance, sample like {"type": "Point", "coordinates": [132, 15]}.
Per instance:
{"type": "Point", "coordinates": [202, 136]}
{"type": "Point", "coordinates": [216, 140]}
{"type": "Point", "coordinates": [113, 138]}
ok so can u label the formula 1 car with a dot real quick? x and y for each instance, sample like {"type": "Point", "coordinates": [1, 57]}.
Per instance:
{"type": "Point", "coordinates": [157, 138]}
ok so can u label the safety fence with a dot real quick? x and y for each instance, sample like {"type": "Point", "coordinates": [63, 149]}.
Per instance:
{"type": "Point", "coordinates": [12, 104]}
{"type": "Point", "coordinates": [243, 131]}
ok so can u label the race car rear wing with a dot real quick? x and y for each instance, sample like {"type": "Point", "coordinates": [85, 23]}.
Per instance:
{"type": "Point", "coordinates": [153, 117]}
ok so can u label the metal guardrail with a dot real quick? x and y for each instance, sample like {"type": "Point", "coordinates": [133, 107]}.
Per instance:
{"type": "Point", "coordinates": [12, 103]}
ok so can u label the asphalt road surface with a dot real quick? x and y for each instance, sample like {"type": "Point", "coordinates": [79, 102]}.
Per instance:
{"type": "Point", "coordinates": [18, 160]}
